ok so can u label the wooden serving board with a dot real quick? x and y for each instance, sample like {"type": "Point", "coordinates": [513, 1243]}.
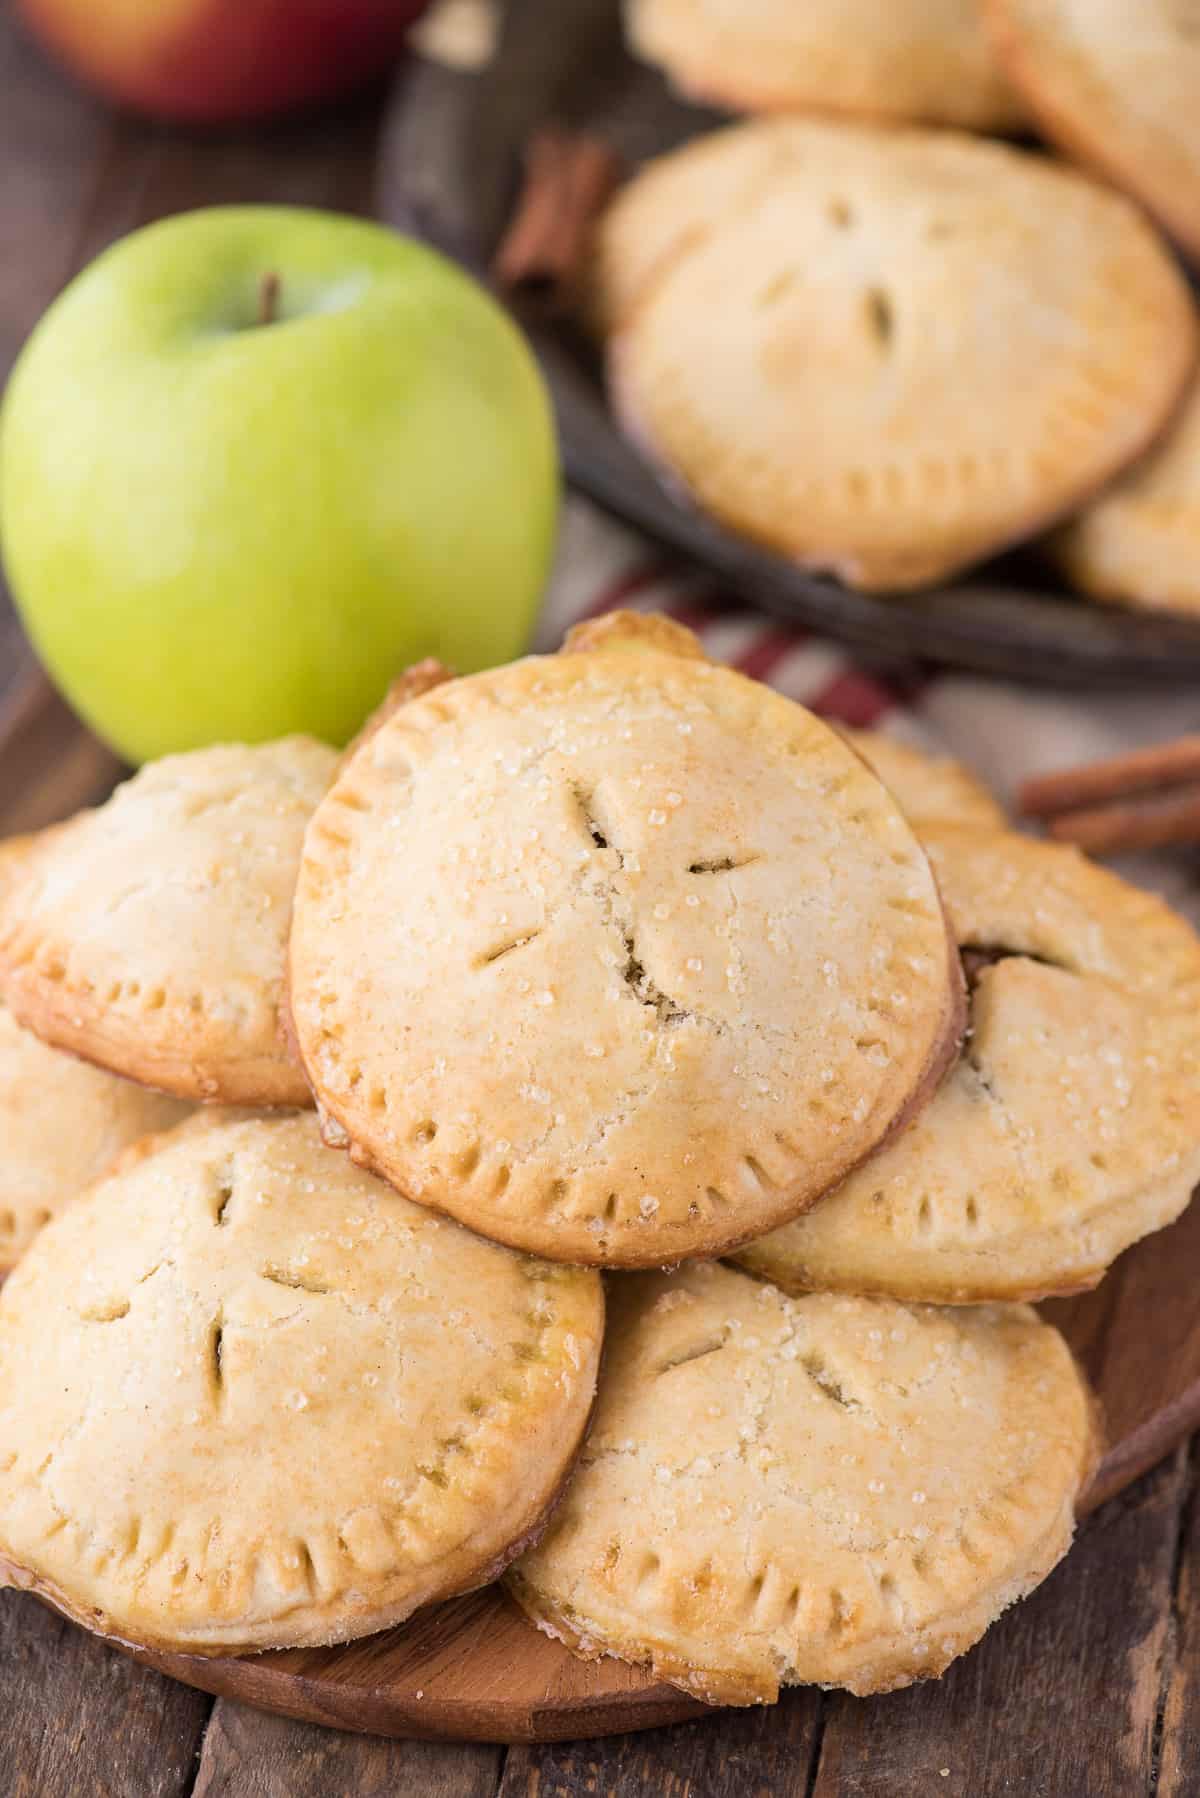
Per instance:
{"type": "Point", "coordinates": [448, 172]}
{"type": "Point", "coordinates": [473, 1669]}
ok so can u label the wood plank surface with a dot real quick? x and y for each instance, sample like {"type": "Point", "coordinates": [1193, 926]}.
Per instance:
{"type": "Point", "coordinates": [750, 1754]}
{"type": "Point", "coordinates": [1091, 1688]}
{"type": "Point", "coordinates": [53, 139]}
{"type": "Point", "coordinates": [250, 1755]}
{"type": "Point", "coordinates": [1178, 1746]}
{"type": "Point", "coordinates": [77, 1719]}
{"type": "Point", "coordinates": [61, 154]}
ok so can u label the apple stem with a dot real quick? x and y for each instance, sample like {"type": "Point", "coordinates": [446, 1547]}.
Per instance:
{"type": "Point", "coordinates": [268, 298]}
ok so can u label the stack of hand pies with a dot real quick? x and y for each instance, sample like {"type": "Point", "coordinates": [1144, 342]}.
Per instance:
{"type": "Point", "coordinates": [864, 336]}
{"type": "Point", "coordinates": [606, 961]}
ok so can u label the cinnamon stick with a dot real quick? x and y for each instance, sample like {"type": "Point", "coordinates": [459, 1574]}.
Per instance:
{"type": "Point", "coordinates": [568, 178]}
{"type": "Point", "coordinates": [1148, 799]}
{"type": "Point", "coordinates": [1152, 770]}
{"type": "Point", "coordinates": [1129, 826]}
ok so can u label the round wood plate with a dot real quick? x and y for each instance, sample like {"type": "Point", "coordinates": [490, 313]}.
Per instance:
{"type": "Point", "coordinates": [474, 1670]}
{"type": "Point", "coordinates": [448, 173]}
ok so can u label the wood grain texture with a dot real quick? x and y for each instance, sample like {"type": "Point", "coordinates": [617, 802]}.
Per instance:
{"type": "Point", "coordinates": [63, 1695]}
{"type": "Point", "coordinates": [1057, 1698]}
{"type": "Point", "coordinates": [470, 1670]}
{"type": "Point", "coordinates": [249, 1755]}
{"type": "Point", "coordinates": [766, 1753]}
{"type": "Point", "coordinates": [1138, 1337]}
{"type": "Point", "coordinates": [50, 765]}
{"type": "Point", "coordinates": [52, 140]}
{"type": "Point", "coordinates": [1178, 1769]}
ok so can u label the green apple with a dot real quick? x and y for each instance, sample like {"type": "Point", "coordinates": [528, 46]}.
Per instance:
{"type": "Point", "coordinates": [253, 461]}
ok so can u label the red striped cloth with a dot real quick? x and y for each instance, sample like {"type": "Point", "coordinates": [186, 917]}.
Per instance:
{"type": "Point", "coordinates": [807, 668]}
{"type": "Point", "coordinates": [1004, 731]}
{"type": "Point", "coordinates": [803, 666]}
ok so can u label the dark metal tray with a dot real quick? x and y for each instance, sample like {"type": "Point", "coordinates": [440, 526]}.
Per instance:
{"type": "Point", "coordinates": [448, 173]}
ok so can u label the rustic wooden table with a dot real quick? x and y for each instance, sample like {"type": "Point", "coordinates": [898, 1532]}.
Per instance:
{"type": "Point", "coordinates": [1090, 1690]}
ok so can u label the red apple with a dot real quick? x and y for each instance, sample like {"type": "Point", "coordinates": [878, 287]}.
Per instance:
{"type": "Point", "coordinates": [216, 61]}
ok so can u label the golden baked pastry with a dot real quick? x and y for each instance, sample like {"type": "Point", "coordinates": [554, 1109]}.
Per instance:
{"type": "Point", "coordinates": [149, 935]}
{"type": "Point", "coordinates": [616, 956]}
{"type": "Point", "coordinates": [1114, 82]}
{"type": "Point", "coordinates": [633, 631]}
{"type": "Point", "coordinates": [411, 683]}
{"type": "Point", "coordinates": [672, 204]}
{"type": "Point", "coordinates": [1139, 542]}
{"type": "Point", "coordinates": [250, 1397]}
{"type": "Point", "coordinates": [887, 354]}
{"type": "Point", "coordinates": [924, 61]}
{"type": "Point", "coordinates": [928, 788]}
{"type": "Point", "coordinates": [1070, 1126]}
{"type": "Point", "coordinates": [831, 1491]}
{"type": "Point", "coordinates": [62, 1123]}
